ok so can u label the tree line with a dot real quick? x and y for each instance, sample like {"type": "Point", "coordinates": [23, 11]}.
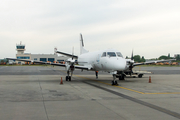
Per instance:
{"type": "Point", "coordinates": [138, 58]}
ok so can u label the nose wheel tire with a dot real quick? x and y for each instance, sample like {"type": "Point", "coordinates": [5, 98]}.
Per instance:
{"type": "Point", "coordinates": [114, 82]}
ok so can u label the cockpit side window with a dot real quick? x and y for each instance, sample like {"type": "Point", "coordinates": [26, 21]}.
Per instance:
{"type": "Point", "coordinates": [104, 54]}
{"type": "Point", "coordinates": [111, 54]}
{"type": "Point", "coordinates": [119, 54]}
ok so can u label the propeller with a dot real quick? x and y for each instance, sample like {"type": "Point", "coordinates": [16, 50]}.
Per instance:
{"type": "Point", "coordinates": [70, 63]}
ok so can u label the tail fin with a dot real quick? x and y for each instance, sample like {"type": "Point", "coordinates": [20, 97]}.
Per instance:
{"type": "Point", "coordinates": [82, 50]}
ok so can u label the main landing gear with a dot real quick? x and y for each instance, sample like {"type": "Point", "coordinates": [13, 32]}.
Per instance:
{"type": "Point", "coordinates": [96, 72]}
{"type": "Point", "coordinates": [68, 77]}
{"type": "Point", "coordinates": [121, 77]}
{"type": "Point", "coordinates": [140, 75]}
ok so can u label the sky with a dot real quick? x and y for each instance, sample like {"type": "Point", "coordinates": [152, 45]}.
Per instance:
{"type": "Point", "coordinates": [150, 28]}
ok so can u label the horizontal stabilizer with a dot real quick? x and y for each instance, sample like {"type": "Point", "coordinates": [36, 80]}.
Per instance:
{"type": "Point", "coordinates": [66, 54]}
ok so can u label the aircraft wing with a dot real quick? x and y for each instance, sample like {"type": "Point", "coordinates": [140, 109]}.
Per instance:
{"type": "Point", "coordinates": [55, 64]}
{"type": "Point", "coordinates": [40, 62]}
{"type": "Point", "coordinates": [69, 55]}
{"type": "Point", "coordinates": [149, 62]}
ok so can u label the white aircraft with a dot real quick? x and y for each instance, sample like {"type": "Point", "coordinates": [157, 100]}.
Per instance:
{"type": "Point", "coordinates": [109, 60]}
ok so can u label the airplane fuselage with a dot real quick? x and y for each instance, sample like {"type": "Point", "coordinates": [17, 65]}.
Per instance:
{"type": "Point", "coordinates": [109, 60]}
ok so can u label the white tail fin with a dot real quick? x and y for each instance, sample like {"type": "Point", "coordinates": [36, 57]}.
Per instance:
{"type": "Point", "coordinates": [82, 50]}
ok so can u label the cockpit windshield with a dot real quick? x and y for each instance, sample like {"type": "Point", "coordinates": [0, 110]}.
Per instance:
{"type": "Point", "coordinates": [119, 54]}
{"type": "Point", "coordinates": [104, 54]}
{"type": "Point", "coordinates": [111, 54]}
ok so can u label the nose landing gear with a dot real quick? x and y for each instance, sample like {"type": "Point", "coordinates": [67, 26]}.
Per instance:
{"type": "Point", "coordinates": [114, 82]}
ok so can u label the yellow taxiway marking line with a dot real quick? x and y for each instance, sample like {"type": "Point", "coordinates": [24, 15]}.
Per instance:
{"type": "Point", "coordinates": [127, 88]}
{"type": "Point", "coordinates": [165, 93]}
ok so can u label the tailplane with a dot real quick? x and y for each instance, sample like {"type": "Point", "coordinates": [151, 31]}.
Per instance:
{"type": "Point", "coordinates": [82, 50]}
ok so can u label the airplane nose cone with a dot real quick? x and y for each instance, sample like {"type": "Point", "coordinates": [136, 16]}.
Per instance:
{"type": "Point", "coordinates": [118, 64]}
{"type": "Point", "coordinates": [122, 64]}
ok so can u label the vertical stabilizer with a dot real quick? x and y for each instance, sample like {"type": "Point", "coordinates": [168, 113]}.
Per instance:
{"type": "Point", "coordinates": [82, 50]}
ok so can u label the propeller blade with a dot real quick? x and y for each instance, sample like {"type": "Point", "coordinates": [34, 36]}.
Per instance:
{"type": "Point", "coordinates": [81, 39]}
{"type": "Point", "coordinates": [73, 53]}
{"type": "Point", "coordinates": [132, 56]}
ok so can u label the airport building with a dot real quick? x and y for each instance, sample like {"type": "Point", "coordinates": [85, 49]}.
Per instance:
{"type": "Point", "coordinates": [37, 57]}
{"type": "Point", "coordinates": [176, 55]}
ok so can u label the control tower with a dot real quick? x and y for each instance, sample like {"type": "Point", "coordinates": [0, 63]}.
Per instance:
{"type": "Point", "coordinates": [20, 48]}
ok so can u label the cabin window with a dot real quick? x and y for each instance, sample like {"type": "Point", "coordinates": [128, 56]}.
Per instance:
{"type": "Point", "coordinates": [119, 54]}
{"type": "Point", "coordinates": [104, 54]}
{"type": "Point", "coordinates": [111, 54]}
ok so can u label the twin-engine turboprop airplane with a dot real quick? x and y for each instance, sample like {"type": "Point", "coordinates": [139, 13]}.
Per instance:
{"type": "Point", "coordinates": [109, 60]}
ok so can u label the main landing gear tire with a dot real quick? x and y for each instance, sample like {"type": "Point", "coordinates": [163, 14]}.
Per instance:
{"type": "Point", "coordinates": [140, 75]}
{"type": "Point", "coordinates": [68, 78]}
{"type": "Point", "coordinates": [114, 83]}
{"type": "Point", "coordinates": [121, 77]}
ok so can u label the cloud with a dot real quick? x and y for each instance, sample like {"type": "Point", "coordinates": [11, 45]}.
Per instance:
{"type": "Point", "coordinates": [124, 25]}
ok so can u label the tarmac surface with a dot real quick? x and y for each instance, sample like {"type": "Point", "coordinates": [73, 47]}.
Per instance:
{"type": "Point", "coordinates": [35, 92]}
